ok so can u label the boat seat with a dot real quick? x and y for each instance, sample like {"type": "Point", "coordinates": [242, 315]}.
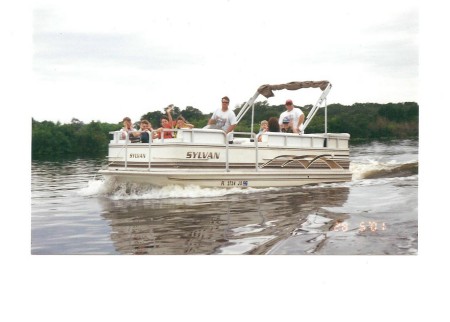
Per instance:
{"type": "Point", "coordinates": [275, 140]}
{"type": "Point", "coordinates": [209, 136]}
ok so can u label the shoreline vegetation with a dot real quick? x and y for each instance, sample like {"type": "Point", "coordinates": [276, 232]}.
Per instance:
{"type": "Point", "coordinates": [363, 121]}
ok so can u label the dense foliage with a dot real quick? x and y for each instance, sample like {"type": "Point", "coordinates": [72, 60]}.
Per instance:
{"type": "Point", "coordinates": [364, 121]}
{"type": "Point", "coordinates": [76, 138]}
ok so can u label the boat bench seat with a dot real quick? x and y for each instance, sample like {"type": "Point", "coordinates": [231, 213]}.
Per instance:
{"type": "Point", "coordinates": [210, 136]}
{"type": "Point", "coordinates": [293, 140]}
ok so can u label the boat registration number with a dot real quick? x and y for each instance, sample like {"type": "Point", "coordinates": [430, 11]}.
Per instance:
{"type": "Point", "coordinates": [234, 183]}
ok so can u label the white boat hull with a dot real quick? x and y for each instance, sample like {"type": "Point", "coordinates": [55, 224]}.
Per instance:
{"type": "Point", "coordinates": [205, 158]}
{"type": "Point", "coordinates": [221, 179]}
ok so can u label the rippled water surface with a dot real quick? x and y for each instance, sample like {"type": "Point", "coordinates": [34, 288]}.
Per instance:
{"type": "Point", "coordinates": [74, 211]}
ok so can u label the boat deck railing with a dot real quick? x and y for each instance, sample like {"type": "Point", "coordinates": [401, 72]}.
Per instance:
{"type": "Point", "coordinates": [220, 138]}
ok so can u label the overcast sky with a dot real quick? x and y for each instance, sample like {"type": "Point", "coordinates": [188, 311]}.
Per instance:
{"type": "Point", "coordinates": [103, 61]}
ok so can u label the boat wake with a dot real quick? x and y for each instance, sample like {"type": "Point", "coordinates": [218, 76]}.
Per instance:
{"type": "Point", "coordinates": [377, 170]}
{"type": "Point", "coordinates": [132, 191]}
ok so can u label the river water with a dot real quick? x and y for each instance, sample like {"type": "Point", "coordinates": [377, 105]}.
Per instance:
{"type": "Point", "coordinates": [74, 211]}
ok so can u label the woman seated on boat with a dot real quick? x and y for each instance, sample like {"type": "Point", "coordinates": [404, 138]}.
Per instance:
{"type": "Point", "coordinates": [165, 124]}
{"type": "Point", "coordinates": [181, 123]}
{"type": "Point", "coordinates": [169, 123]}
{"type": "Point", "coordinates": [273, 125]}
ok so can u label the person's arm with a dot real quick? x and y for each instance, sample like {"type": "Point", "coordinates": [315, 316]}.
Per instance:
{"type": "Point", "coordinates": [169, 115]}
{"type": "Point", "coordinates": [129, 131]}
{"type": "Point", "coordinates": [231, 128]}
{"type": "Point", "coordinates": [134, 133]}
{"type": "Point", "coordinates": [122, 134]}
{"type": "Point", "coordinates": [212, 120]}
{"type": "Point", "coordinates": [159, 132]}
{"type": "Point", "coordinates": [280, 119]}
{"type": "Point", "coordinates": [300, 123]}
{"type": "Point", "coordinates": [298, 120]}
{"type": "Point", "coordinates": [232, 119]}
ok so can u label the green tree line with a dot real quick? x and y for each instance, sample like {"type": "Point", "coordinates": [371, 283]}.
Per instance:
{"type": "Point", "coordinates": [363, 121]}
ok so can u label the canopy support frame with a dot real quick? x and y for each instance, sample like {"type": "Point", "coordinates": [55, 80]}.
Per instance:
{"type": "Point", "coordinates": [309, 117]}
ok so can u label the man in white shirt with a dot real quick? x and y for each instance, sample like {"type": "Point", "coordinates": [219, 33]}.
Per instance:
{"type": "Point", "coordinates": [223, 119]}
{"type": "Point", "coordinates": [294, 115]}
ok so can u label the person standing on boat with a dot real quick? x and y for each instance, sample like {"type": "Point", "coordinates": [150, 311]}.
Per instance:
{"type": "Point", "coordinates": [223, 118]}
{"type": "Point", "coordinates": [294, 115]}
{"type": "Point", "coordinates": [127, 128]}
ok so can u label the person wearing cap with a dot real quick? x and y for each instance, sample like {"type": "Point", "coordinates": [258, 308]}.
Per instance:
{"type": "Point", "coordinates": [294, 116]}
{"type": "Point", "coordinates": [287, 125]}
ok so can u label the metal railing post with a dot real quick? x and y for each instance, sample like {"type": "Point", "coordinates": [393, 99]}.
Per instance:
{"type": "Point", "coordinates": [226, 151]}
{"type": "Point", "coordinates": [253, 117]}
{"type": "Point", "coordinates": [316, 107]}
{"type": "Point", "coordinates": [326, 117]}
{"type": "Point", "coordinates": [150, 141]}
{"type": "Point", "coordinates": [126, 149]}
{"type": "Point", "coordinates": [256, 152]}
{"type": "Point", "coordinates": [246, 107]}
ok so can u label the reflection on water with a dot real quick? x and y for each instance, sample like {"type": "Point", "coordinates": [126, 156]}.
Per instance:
{"type": "Point", "coordinates": [233, 224]}
{"type": "Point", "coordinates": [74, 211]}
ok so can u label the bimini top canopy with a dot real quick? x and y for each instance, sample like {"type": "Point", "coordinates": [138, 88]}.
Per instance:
{"type": "Point", "coordinates": [267, 90]}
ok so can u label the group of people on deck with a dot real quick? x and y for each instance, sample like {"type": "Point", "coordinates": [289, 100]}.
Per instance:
{"type": "Point", "coordinates": [290, 121]}
{"type": "Point", "coordinates": [146, 129]}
